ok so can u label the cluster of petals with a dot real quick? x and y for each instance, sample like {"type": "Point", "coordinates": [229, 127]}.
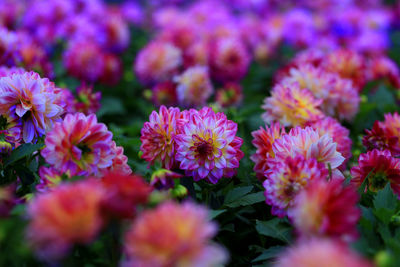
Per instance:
{"type": "Point", "coordinates": [202, 143]}
{"type": "Point", "coordinates": [79, 145]}
{"type": "Point", "coordinates": [326, 209]}
{"type": "Point", "coordinates": [384, 135]}
{"type": "Point", "coordinates": [33, 100]}
{"type": "Point", "coordinates": [284, 181]}
{"type": "Point", "coordinates": [321, 253]}
{"type": "Point", "coordinates": [379, 167]}
{"type": "Point", "coordinates": [291, 105]}
{"type": "Point", "coordinates": [173, 235]}
{"type": "Point", "coordinates": [207, 146]}
{"type": "Point", "coordinates": [69, 214]}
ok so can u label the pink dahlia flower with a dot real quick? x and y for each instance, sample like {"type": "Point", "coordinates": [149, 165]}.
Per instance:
{"type": "Point", "coordinates": [158, 136]}
{"type": "Point", "coordinates": [286, 179]}
{"type": "Point", "coordinates": [164, 93]}
{"type": "Point", "coordinates": [194, 87]}
{"type": "Point", "coordinates": [173, 235]}
{"type": "Point", "coordinates": [385, 135]}
{"type": "Point", "coordinates": [79, 145]}
{"type": "Point", "coordinates": [229, 59]}
{"type": "Point", "coordinates": [309, 143]}
{"type": "Point", "coordinates": [263, 140]}
{"type": "Point", "coordinates": [320, 253]}
{"type": "Point", "coordinates": [157, 62]}
{"type": "Point", "coordinates": [87, 101]}
{"type": "Point", "coordinates": [338, 133]}
{"type": "Point", "coordinates": [32, 99]}
{"type": "Point", "coordinates": [326, 209]}
{"type": "Point", "coordinates": [207, 147]}
{"type": "Point", "coordinates": [70, 214]}
{"type": "Point", "coordinates": [291, 105]}
{"type": "Point", "coordinates": [380, 168]}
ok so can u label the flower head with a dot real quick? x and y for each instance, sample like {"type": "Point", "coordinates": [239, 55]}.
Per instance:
{"type": "Point", "coordinates": [67, 215]}
{"type": "Point", "coordinates": [164, 93]}
{"type": "Point", "coordinates": [84, 60]}
{"type": "Point", "coordinates": [309, 143]}
{"type": "Point", "coordinates": [194, 86]}
{"type": "Point", "coordinates": [173, 235]}
{"type": "Point", "coordinates": [157, 62]}
{"type": "Point", "coordinates": [79, 145]}
{"type": "Point", "coordinates": [326, 209]}
{"type": "Point", "coordinates": [385, 135]}
{"type": "Point", "coordinates": [207, 147]}
{"type": "Point", "coordinates": [87, 101]}
{"type": "Point", "coordinates": [291, 105]}
{"type": "Point", "coordinates": [229, 95]}
{"type": "Point", "coordinates": [263, 140]}
{"type": "Point", "coordinates": [229, 59]}
{"type": "Point", "coordinates": [120, 161]}
{"type": "Point", "coordinates": [122, 193]}
{"type": "Point", "coordinates": [287, 179]}
{"type": "Point", "coordinates": [320, 253]}
{"type": "Point", "coordinates": [338, 133]}
{"type": "Point", "coordinates": [158, 136]}
{"type": "Point", "coordinates": [380, 168]}
{"type": "Point", "coordinates": [33, 100]}
{"type": "Point", "coordinates": [50, 178]}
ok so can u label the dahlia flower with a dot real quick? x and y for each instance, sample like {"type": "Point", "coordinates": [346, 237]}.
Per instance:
{"type": "Point", "coordinates": [380, 168]}
{"type": "Point", "coordinates": [207, 147]}
{"type": "Point", "coordinates": [286, 179]}
{"type": "Point", "coordinates": [338, 133]}
{"type": "Point", "coordinates": [164, 179]}
{"type": "Point", "coordinates": [164, 93]}
{"type": "Point", "coordinates": [49, 179]}
{"type": "Point", "coordinates": [291, 105]}
{"type": "Point", "coordinates": [384, 68]}
{"type": "Point", "coordinates": [117, 34]}
{"type": "Point", "coordinates": [120, 161]}
{"type": "Point", "coordinates": [84, 60]}
{"type": "Point", "coordinates": [122, 193]}
{"type": "Point", "coordinates": [157, 62]}
{"type": "Point", "coordinates": [326, 209]}
{"type": "Point", "coordinates": [173, 235]}
{"type": "Point", "coordinates": [348, 64]}
{"type": "Point", "coordinates": [197, 54]}
{"type": "Point", "coordinates": [229, 95]}
{"type": "Point", "coordinates": [194, 87]}
{"type": "Point", "coordinates": [67, 215]}
{"type": "Point", "coordinates": [33, 100]}
{"type": "Point", "coordinates": [79, 145]}
{"type": "Point", "coordinates": [385, 135]}
{"type": "Point", "coordinates": [309, 143]}
{"type": "Point", "coordinates": [320, 253]}
{"type": "Point", "coordinates": [10, 131]}
{"type": "Point", "coordinates": [158, 136]}
{"type": "Point", "coordinates": [87, 101]}
{"type": "Point", "coordinates": [229, 59]}
{"type": "Point", "coordinates": [112, 70]}
{"type": "Point", "coordinates": [263, 140]}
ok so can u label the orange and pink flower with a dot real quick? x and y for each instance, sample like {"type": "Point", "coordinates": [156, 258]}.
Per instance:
{"type": "Point", "coordinates": [70, 214]}
{"type": "Point", "coordinates": [79, 145]}
{"type": "Point", "coordinates": [326, 209]}
{"type": "Point", "coordinates": [173, 235]}
{"type": "Point", "coordinates": [207, 146]}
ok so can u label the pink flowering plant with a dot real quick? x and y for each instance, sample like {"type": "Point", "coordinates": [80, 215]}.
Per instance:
{"type": "Point", "coordinates": [199, 133]}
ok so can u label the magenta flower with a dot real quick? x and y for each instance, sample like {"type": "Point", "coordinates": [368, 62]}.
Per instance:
{"type": "Point", "coordinates": [287, 178]}
{"type": "Point", "coordinates": [31, 98]}
{"type": "Point", "coordinates": [158, 136]}
{"type": "Point", "coordinates": [79, 145]}
{"type": "Point", "coordinates": [87, 101]}
{"type": "Point", "coordinates": [207, 147]}
{"type": "Point", "coordinates": [194, 87]}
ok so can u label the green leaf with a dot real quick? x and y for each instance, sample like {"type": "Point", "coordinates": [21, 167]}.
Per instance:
{"type": "Point", "coordinates": [385, 198]}
{"type": "Point", "coordinates": [237, 193]}
{"type": "Point", "coordinates": [22, 151]}
{"type": "Point", "coordinates": [215, 213]}
{"type": "Point", "coordinates": [274, 228]}
{"type": "Point", "coordinates": [269, 253]}
{"type": "Point", "coordinates": [247, 200]}
{"type": "Point", "coordinates": [385, 204]}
